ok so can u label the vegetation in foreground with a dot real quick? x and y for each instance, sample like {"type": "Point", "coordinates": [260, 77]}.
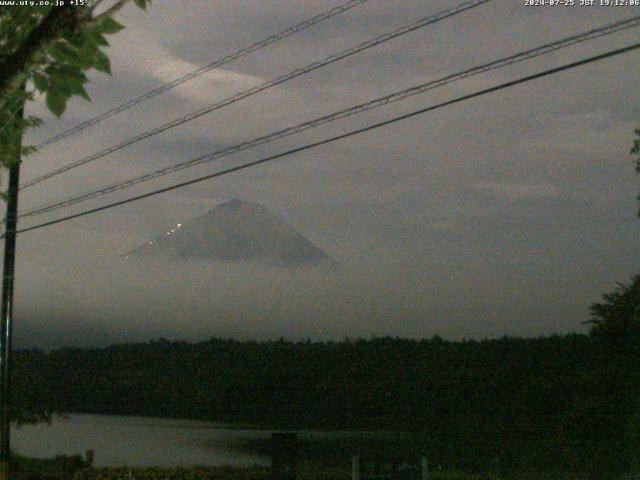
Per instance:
{"type": "Point", "coordinates": [178, 473]}
{"type": "Point", "coordinates": [59, 468]}
{"type": "Point", "coordinates": [554, 407]}
{"type": "Point", "coordinates": [74, 468]}
{"type": "Point", "coordinates": [305, 472]}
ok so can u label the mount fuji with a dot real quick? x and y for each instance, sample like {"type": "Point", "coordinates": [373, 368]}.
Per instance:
{"type": "Point", "coordinates": [234, 231]}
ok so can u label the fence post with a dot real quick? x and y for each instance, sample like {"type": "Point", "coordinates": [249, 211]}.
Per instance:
{"type": "Point", "coordinates": [355, 467]}
{"type": "Point", "coordinates": [424, 470]}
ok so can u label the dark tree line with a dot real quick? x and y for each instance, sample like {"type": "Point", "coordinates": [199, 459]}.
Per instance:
{"type": "Point", "coordinates": [558, 404]}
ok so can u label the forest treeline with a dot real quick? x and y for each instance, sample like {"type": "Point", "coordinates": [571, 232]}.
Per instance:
{"type": "Point", "coordinates": [554, 404]}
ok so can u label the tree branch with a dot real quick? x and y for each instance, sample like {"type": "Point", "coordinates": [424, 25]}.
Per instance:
{"type": "Point", "coordinates": [110, 11]}
{"type": "Point", "coordinates": [95, 5]}
{"type": "Point", "coordinates": [17, 66]}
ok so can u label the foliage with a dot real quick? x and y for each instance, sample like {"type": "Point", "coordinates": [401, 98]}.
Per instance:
{"type": "Point", "coordinates": [550, 407]}
{"type": "Point", "coordinates": [31, 396]}
{"type": "Point", "coordinates": [59, 468]}
{"type": "Point", "coordinates": [305, 471]}
{"type": "Point", "coordinates": [45, 49]}
{"type": "Point", "coordinates": [617, 319]}
{"type": "Point", "coordinates": [179, 473]}
{"type": "Point", "coordinates": [469, 404]}
{"type": "Point", "coordinates": [608, 417]}
{"type": "Point", "coordinates": [48, 49]}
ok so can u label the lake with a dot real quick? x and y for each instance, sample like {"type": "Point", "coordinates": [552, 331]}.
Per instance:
{"type": "Point", "coordinates": [145, 441]}
{"type": "Point", "coordinates": [139, 441]}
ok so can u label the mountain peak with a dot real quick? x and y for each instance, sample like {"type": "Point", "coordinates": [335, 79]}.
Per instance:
{"type": "Point", "coordinates": [234, 231]}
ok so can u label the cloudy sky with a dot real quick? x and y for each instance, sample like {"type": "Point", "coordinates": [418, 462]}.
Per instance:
{"type": "Point", "coordinates": [506, 214]}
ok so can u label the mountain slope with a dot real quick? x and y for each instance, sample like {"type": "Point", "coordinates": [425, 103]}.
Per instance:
{"type": "Point", "coordinates": [234, 231]}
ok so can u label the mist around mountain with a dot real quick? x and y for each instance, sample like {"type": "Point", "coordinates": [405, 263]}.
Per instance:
{"type": "Point", "coordinates": [234, 231]}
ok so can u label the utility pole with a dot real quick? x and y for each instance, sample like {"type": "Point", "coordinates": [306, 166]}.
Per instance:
{"type": "Point", "coordinates": [6, 329]}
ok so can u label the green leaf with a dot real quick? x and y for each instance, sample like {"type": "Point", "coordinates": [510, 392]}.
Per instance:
{"type": "Point", "coordinates": [98, 38]}
{"type": "Point", "coordinates": [57, 102]}
{"type": "Point", "coordinates": [57, 85]}
{"type": "Point", "coordinates": [70, 71]}
{"type": "Point", "coordinates": [141, 3]}
{"type": "Point", "coordinates": [101, 62]}
{"type": "Point", "coordinates": [40, 82]}
{"type": "Point", "coordinates": [65, 53]}
{"type": "Point", "coordinates": [82, 57]}
{"type": "Point", "coordinates": [28, 150]}
{"type": "Point", "coordinates": [76, 87]}
{"type": "Point", "coordinates": [76, 39]}
{"type": "Point", "coordinates": [88, 41]}
{"type": "Point", "coordinates": [108, 26]}
{"type": "Point", "coordinates": [32, 121]}
{"type": "Point", "coordinates": [83, 93]}
{"type": "Point", "coordinates": [68, 80]}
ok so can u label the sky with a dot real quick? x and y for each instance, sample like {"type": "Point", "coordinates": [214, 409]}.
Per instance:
{"type": "Point", "coordinates": [507, 214]}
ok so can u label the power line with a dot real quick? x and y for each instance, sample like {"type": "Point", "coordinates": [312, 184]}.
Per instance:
{"type": "Point", "coordinates": [363, 107]}
{"type": "Point", "coordinates": [309, 146]}
{"type": "Point", "coordinates": [215, 64]}
{"type": "Point", "coordinates": [265, 86]}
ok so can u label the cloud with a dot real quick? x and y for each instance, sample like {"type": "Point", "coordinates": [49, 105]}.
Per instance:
{"type": "Point", "coordinates": [513, 192]}
{"type": "Point", "coordinates": [520, 203]}
{"type": "Point", "coordinates": [220, 82]}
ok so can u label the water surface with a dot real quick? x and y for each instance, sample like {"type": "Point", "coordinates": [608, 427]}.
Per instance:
{"type": "Point", "coordinates": [140, 441]}
{"type": "Point", "coordinates": [147, 441]}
